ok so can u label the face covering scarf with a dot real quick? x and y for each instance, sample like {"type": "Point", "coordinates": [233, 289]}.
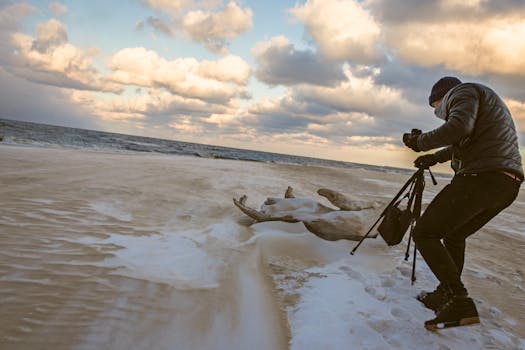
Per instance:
{"type": "Point", "coordinates": [440, 111]}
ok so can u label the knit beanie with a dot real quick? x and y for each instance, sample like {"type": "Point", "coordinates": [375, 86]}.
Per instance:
{"type": "Point", "coordinates": [441, 88]}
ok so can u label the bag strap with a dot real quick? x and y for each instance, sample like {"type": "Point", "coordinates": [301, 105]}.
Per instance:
{"type": "Point", "coordinates": [413, 194]}
{"type": "Point", "coordinates": [407, 195]}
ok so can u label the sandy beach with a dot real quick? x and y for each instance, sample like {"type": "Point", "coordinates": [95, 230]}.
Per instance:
{"type": "Point", "coordinates": [106, 250]}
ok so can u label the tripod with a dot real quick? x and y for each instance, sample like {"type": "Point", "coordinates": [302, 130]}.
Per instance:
{"type": "Point", "coordinates": [415, 186]}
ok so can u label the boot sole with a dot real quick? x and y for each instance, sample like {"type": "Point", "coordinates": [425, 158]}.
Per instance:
{"type": "Point", "coordinates": [463, 322]}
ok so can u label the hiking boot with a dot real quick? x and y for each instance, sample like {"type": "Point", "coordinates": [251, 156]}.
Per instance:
{"type": "Point", "coordinates": [459, 311]}
{"type": "Point", "coordinates": [436, 299]}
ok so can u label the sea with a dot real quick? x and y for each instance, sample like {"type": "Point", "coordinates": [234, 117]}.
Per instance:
{"type": "Point", "coordinates": [13, 132]}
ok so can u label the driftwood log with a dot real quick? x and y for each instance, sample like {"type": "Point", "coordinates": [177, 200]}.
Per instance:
{"type": "Point", "coordinates": [350, 221]}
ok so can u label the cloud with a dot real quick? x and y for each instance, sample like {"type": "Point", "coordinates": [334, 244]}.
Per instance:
{"type": "Point", "coordinates": [10, 17]}
{"type": "Point", "coordinates": [23, 100]}
{"type": "Point", "coordinates": [229, 68]}
{"type": "Point", "coordinates": [160, 26]}
{"type": "Point", "coordinates": [338, 129]}
{"type": "Point", "coordinates": [343, 29]}
{"type": "Point", "coordinates": [473, 37]}
{"type": "Point", "coordinates": [57, 8]}
{"type": "Point", "coordinates": [50, 34]}
{"type": "Point", "coordinates": [391, 12]}
{"type": "Point", "coordinates": [139, 25]}
{"type": "Point", "coordinates": [157, 112]}
{"type": "Point", "coordinates": [213, 81]}
{"type": "Point", "coordinates": [493, 46]}
{"type": "Point", "coordinates": [172, 6]}
{"type": "Point", "coordinates": [214, 29]}
{"type": "Point", "coordinates": [279, 63]}
{"type": "Point", "coordinates": [50, 59]}
{"type": "Point", "coordinates": [153, 105]}
{"type": "Point", "coordinates": [359, 94]}
{"type": "Point", "coordinates": [355, 110]}
{"type": "Point", "coordinates": [206, 22]}
{"type": "Point", "coordinates": [517, 109]}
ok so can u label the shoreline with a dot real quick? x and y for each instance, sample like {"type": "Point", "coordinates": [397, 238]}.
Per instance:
{"type": "Point", "coordinates": [143, 144]}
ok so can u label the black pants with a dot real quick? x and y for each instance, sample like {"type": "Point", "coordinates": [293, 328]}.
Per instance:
{"type": "Point", "coordinates": [458, 211]}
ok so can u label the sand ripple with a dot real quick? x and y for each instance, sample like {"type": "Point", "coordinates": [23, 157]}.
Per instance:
{"type": "Point", "coordinates": [123, 252]}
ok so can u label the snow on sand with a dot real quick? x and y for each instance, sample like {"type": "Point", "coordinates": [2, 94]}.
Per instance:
{"type": "Point", "coordinates": [134, 251]}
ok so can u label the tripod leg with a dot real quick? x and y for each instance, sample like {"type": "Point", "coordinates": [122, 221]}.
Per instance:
{"type": "Point", "coordinates": [410, 181]}
{"type": "Point", "coordinates": [414, 265]}
{"type": "Point", "coordinates": [407, 252]}
{"type": "Point", "coordinates": [420, 186]}
{"type": "Point", "coordinates": [369, 231]}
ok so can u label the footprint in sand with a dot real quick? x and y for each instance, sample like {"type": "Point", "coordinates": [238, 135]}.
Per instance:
{"type": "Point", "coordinates": [379, 294]}
{"type": "Point", "coordinates": [405, 271]}
{"type": "Point", "coordinates": [400, 314]}
{"type": "Point", "coordinates": [386, 329]}
{"type": "Point", "coordinates": [352, 273]}
{"type": "Point", "coordinates": [387, 282]}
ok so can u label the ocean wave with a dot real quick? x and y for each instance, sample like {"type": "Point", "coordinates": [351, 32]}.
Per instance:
{"type": "Point", "coordinates": [43, 135]}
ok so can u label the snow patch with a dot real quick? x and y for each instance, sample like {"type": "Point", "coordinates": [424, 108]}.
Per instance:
{"type": "Point", "coordinates": [167, 258]}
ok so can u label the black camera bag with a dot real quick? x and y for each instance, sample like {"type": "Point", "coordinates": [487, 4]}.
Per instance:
{"type": "Point", "coordinates": [395, 224]}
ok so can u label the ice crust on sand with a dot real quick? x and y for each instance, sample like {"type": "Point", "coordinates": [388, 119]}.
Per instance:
{"type": "Point", "coordinates": [136, 251]}
{"type": "Point", "coordinates": [166, 258]}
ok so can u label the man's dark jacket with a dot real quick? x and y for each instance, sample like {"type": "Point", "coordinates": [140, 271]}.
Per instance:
{"type": "Point", "coordinates": [478, 131]}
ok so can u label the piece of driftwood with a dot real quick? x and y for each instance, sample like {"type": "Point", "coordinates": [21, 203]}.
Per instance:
{"type": "Point", "coordinates": [350, 221]}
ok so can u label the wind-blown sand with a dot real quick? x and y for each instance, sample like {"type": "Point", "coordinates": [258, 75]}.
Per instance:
{"type": "Point", "coordinates": [142, 251]}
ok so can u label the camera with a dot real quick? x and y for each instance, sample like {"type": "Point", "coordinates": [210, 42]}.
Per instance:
{"type": "Point", "coordinates": [408, 137]}
{"type": "Point", "coordinates": [416, 132]}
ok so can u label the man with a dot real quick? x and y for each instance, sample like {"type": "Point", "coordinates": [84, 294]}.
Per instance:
{"type": "Point", "coordinates": [480, 140]}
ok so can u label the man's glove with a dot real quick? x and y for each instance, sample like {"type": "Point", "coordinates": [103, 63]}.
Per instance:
{"type": "Point", "coordinates": [410, 140]}
{"type": "Point", "coordinates": [425, 161]}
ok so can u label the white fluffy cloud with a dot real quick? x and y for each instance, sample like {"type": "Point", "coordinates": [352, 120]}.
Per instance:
{"type": "Point", "coordinates": [10, 17]}
{"type": "Point", "coordinates": [213, 29]}
{"type": "Point", "coordinates": [152, 104]}
{"type": "Point", "coordinates": [174, 5]}
{"type": "Point", "coordinates": [50, 59]}
{"type": "Point", "coordinates": [215, 81]}
{"type": "Point", "coordinates": [228, 68]}
{"type": "Point", "coordinates": [494, 45]}
{"type": "Point", "coordinates": [359, 94]}
{"type": "Point", "coordinates": [471, 37]}
{"type": "Point", "coordinates": [50, 34]}
{"type": "Point", "coordinates": [203, 22]}
{"type": "Point", "coordinates": [343, 29]}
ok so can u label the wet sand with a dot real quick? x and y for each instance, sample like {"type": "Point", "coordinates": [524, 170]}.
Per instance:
{"type": "Point", "coordinates": [57, 289]}
{"type": "Point", "coordinates": [69, 280]}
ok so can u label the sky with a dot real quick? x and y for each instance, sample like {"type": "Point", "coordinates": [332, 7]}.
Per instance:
{"type": "Point", "coordinates": [333, 79]}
